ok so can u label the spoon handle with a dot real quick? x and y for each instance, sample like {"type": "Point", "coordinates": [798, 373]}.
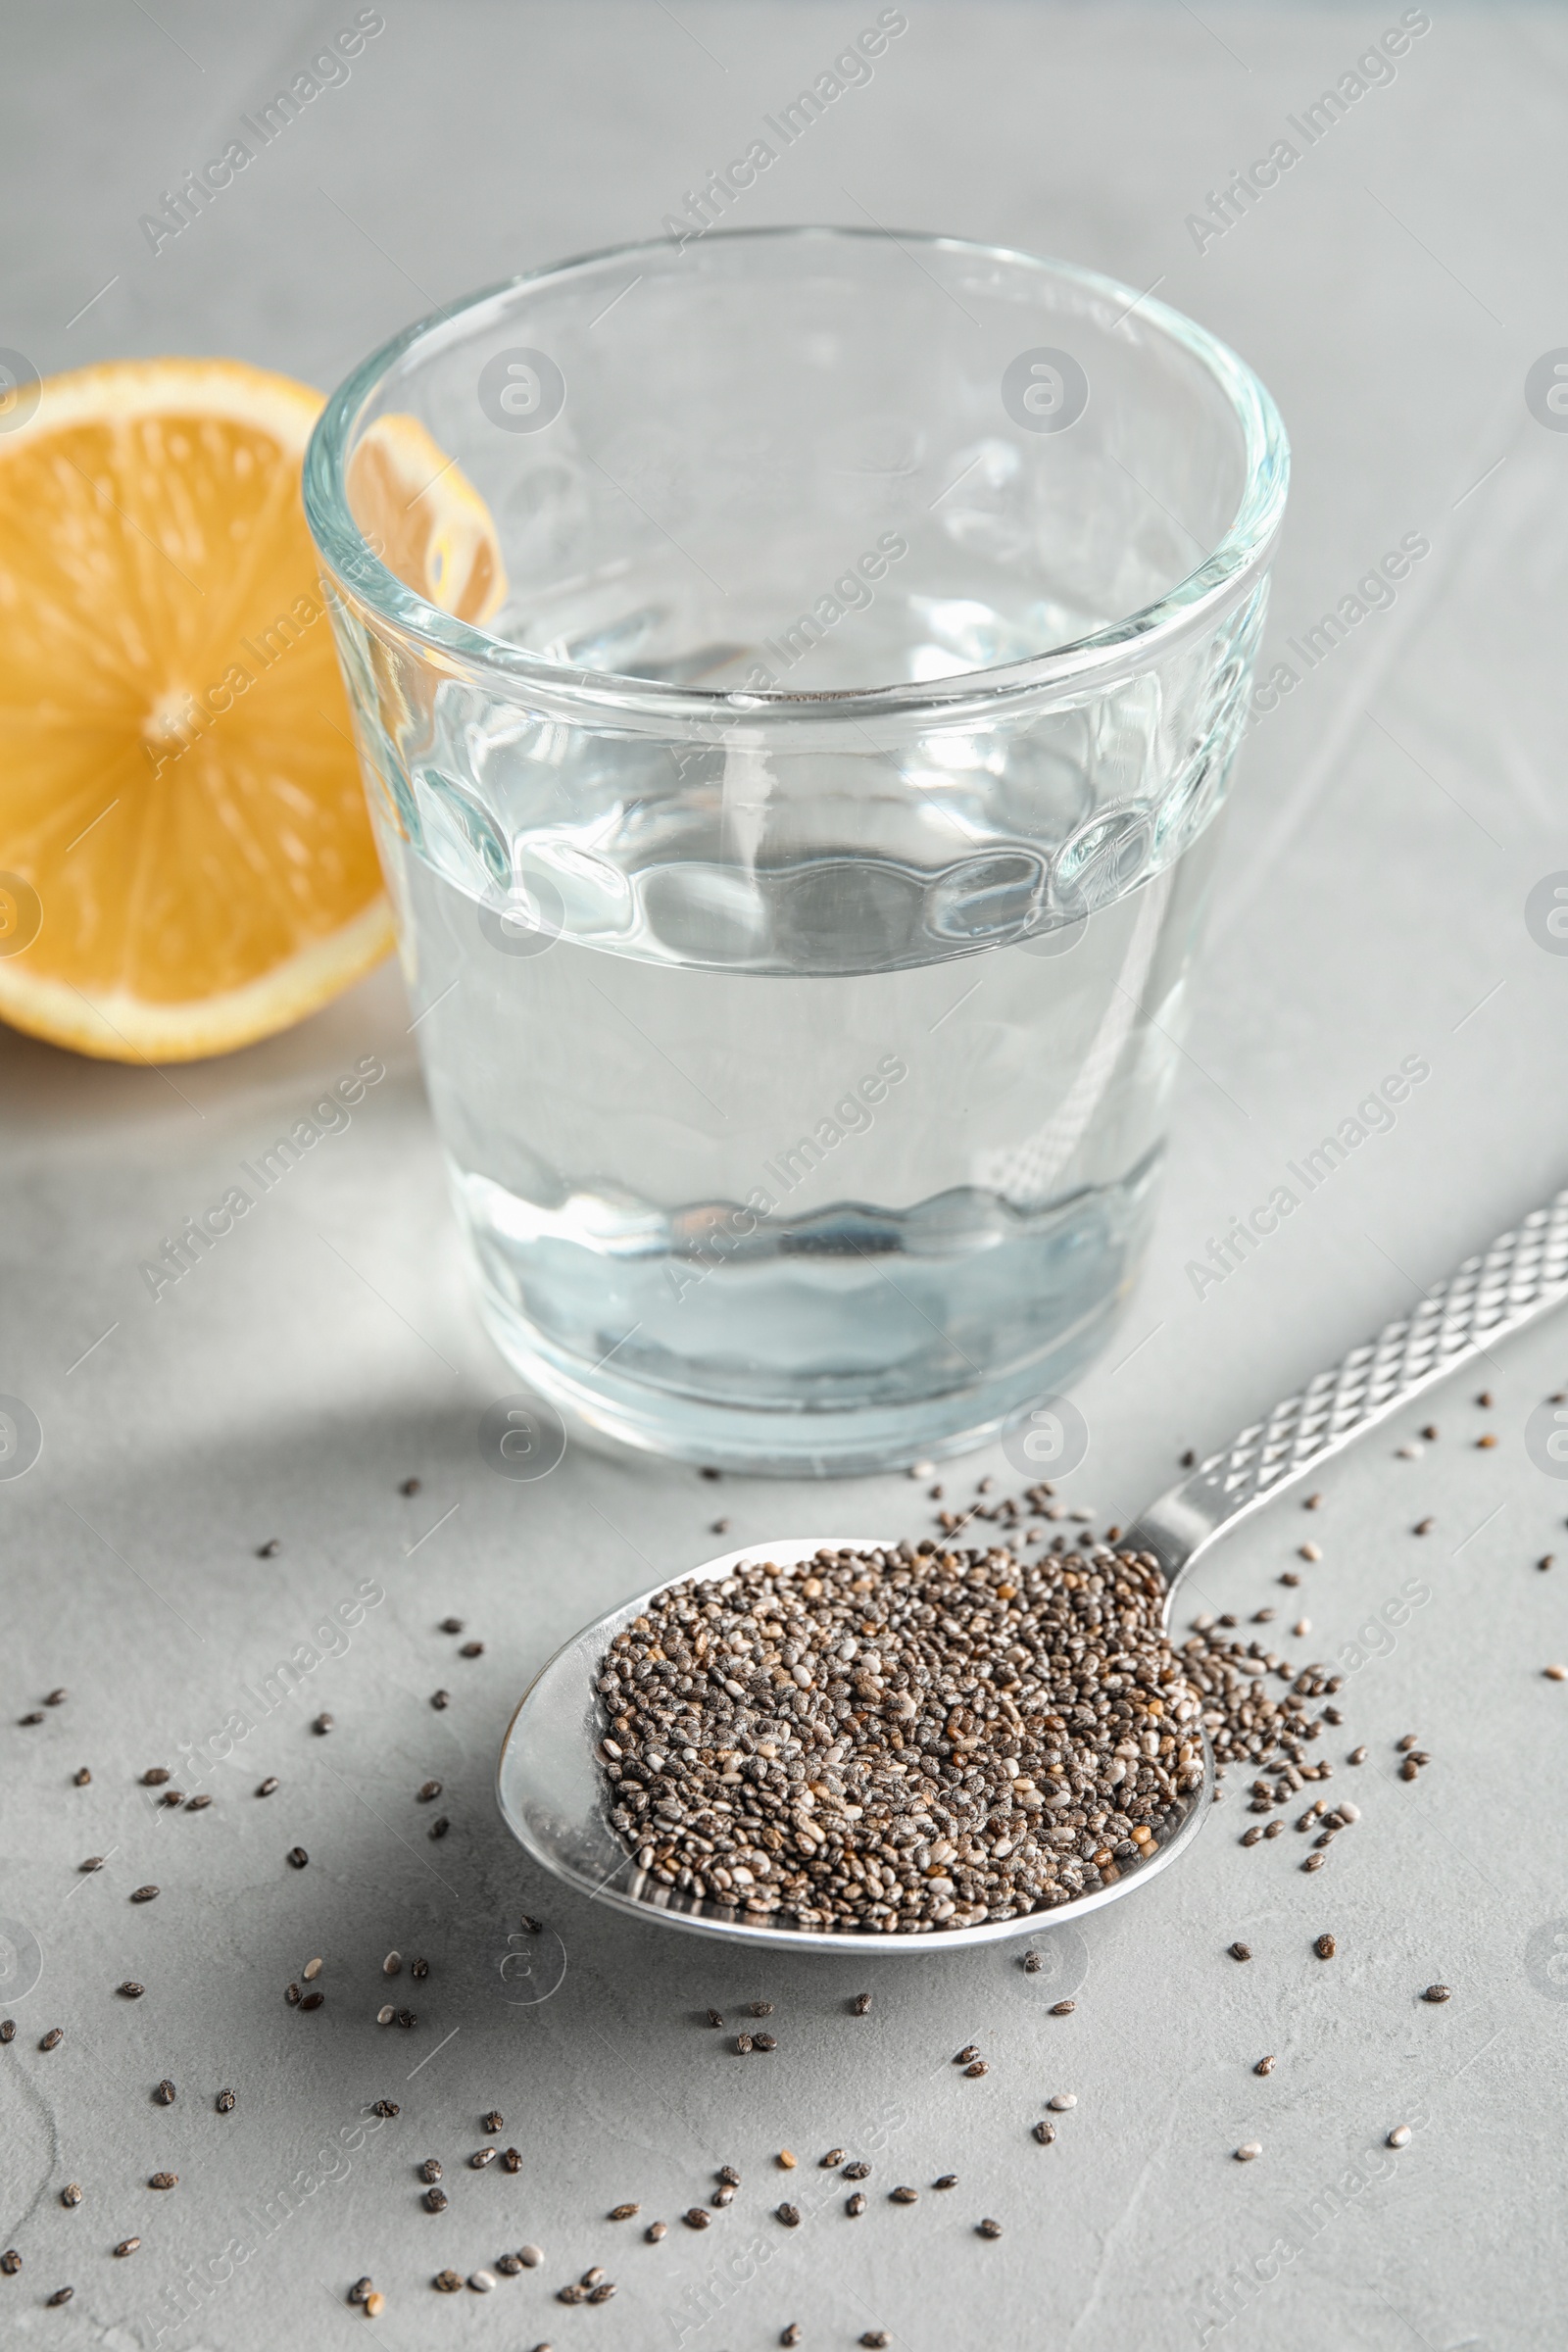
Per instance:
{"type": "Point", "coordinates": [1489, 1296]}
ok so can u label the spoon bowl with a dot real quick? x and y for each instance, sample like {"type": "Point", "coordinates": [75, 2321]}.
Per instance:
{"type": "Point", "coordinates": [555, 1798]}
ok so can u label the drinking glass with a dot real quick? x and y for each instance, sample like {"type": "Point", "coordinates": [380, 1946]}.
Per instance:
{"type": "Point", "coordinates": [796, 875]}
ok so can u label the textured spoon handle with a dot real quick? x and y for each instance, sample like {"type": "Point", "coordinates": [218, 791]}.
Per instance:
{"type": "Point", "coordinates": [1524, 1272]}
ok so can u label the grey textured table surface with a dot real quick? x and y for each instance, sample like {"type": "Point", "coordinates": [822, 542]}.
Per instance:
{"type": "Point", "coordinates": [1394, 814]}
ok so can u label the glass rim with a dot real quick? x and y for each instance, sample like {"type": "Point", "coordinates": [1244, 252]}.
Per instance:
{"type": "Point", "coordinates": [1096, 660]}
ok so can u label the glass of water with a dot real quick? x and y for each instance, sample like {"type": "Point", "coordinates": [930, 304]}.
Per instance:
{"type": "Point", "coordinates": [798, 874]}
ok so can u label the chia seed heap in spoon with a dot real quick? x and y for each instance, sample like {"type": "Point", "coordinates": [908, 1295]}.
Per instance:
{"type": "Point", "coordinates": [901, 1740]}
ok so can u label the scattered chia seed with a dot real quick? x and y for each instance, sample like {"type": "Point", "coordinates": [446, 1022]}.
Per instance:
{"type": "Point", "coordinates": [127, 2245]}
{"type": "Point", "coordinates": [654, 2232]}
{"type": "Point", "coordinates": [155, 1775]}
{"type": "Point", "coordinates": [530, 2257]}
{"type": "Point", "coordinates": [312, 1969]}
{"type": "Point", "coordinates": [855, 2206]}
{"type": "Point", "coordinates": [946, 2181]}
{"type": "Point", "coordinates": [1264, 2066]}
{"type": "Point", "coordinates": [71, 2194]}
{"type": "Point", "coordinates": [448, 2282]}
{"type": "Point", "coordinates": [267, 1786]}
{"type": "Point", "coordinates": [165, 2094]}
{"type": "Point", "coordinates": [790, 2216]}
{"type": "Point", "coordinates": [1239, 1951]}
{"type": "Point", "coordinates": [418, 1969]}
{"type": "Point", "coordinates": [164, 2181]}
{"type": "Point", "coordinates": [695, 2218]}
{"type": "Point", "coordinates": [989, 2228]}
{"type": "Point", "coordinates": [1032, 1964]}
{"type": "Point", "coordinates": [1045, 2134]}
{"type": "Point", "coordinates": [9, 2262]}
{"type": "Point", "coordinates": [386, 2109]}
{"type": "Point", "coordinates": [512, 2160]}
{"type": "Point", "coordinates": [480, 2158]}
{"type": "Point", "coordinates": [905, 2196]}
{"type": "Point", "coordinates": [81, 1778]}
{"type": "Point", "coordinates": [311, 2000]}
{"type": "Point", "coordinates": [857, 2172]}
{"type": "Point", "coordinates": [714, 2018]}
{"type": "Point", "coordinates": [1438, 1992]}
{"type": "Point", "coordinates": [791, 2334]}
{"type": "Point", "coordinates": [269, 1550]}
{"type": "Point", "coordinates": [409, 1485]}
{"type": "Point", "coordinates": [131, 1990]}
{"type": "Point", "coordinates": [53, 2039]}
{"type": "Point", "coordinates": [440, 1699]}
{"type": "Point", "coordinates": [8, 2029]}
{"type": "Point", "coordinates": [623, 2213]}
{"type": "Point", "coordinates": [439, 1826]}
{"type": "Point", "coordinates": [298, 1856]}
{"type": "Point", "coordinates": [431, 2168]}
{"type": "Point", "coordinates": [1400, 2136]}
{"type": "Point", "coordinates": [1062, 2008]}
{"type": "Point", "coordinates": [1248, 2150]}
{"type": "Point", "coordinates": [427, 1793]}
{"type": "Point", "coordinates": [1325, 1947]}
{"type": "Point", "coordinates": [436, 2200]}
{"type": "Point", "coordinates": [493, 2120]}
{"type": "Point", "coordinates": [471, 1649]}
{"type": "Point", "coordinates": [860, 2005]}
{"type": "Point", "coordinates": [225, 2102]}
{"type": "Point", "coordinates": [832, 2160]}
{"type": "Point", "coordinates": [61, 2294]}
{"type": "Point", "coordinates": [509, 2265]}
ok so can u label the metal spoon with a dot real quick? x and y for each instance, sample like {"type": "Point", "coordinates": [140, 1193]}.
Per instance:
{"type": "Point", "coordinates": [553, 1794]}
